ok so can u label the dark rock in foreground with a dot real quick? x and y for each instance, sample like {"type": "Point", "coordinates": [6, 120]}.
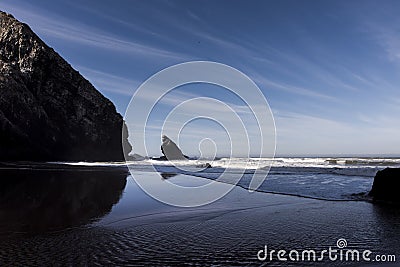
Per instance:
{"type": "Point", "coordinates": [205, 166]}
{"type": "Point", "coordinates": [386, 185]}
{"type": "Point", "coordinates": [48, 111]}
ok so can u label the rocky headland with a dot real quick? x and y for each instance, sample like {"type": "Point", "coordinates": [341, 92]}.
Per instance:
{"type": "Point", "coordinates": [48, 111]}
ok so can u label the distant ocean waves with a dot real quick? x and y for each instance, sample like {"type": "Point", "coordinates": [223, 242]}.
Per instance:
{"type": "Point", "coordinates": [321, 178]}
{"type": "Point", "coordinates": [258, 163]}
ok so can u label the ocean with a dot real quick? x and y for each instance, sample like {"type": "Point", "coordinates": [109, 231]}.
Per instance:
{"type": "Point", "coordinates": [327, 178]}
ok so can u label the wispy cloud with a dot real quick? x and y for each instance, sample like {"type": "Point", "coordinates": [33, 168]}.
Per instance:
{"type": "Point", "coordinates": [292, 89]}
{"type": "Point", "coordinates": [388, 38]}
{"type": "Point", "coordinates": [72, 31]}
{"type": "Point", "coordinates": [108, 82]}
{"type": "Point", "coordinates": [298, 133]}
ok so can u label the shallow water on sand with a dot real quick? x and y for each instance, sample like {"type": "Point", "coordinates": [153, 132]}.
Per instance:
{"type": "Point", "coordinates": [101, 217]}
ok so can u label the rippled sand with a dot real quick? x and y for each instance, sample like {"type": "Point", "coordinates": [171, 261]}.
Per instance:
{"type": "Point", "coordinates": [229, 232]}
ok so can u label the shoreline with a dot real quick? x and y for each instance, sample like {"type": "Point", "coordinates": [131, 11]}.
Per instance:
{"type": "Point", "coordinates": [123, 168]}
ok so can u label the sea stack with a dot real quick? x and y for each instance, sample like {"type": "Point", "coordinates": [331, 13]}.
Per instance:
{"type": "Point", "coordinates": [48, 111]}
{"type": "Point", "coordinates": [170, 150]}
{"type": "Point", "coordinates": [386, 186]}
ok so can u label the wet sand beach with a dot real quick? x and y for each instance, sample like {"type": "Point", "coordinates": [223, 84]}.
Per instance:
{"type": "Point", "coordinates": [104, 218]}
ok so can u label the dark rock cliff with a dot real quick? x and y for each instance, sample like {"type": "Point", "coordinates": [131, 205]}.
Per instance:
{"type": "Point", "coordinates": [48, 111]}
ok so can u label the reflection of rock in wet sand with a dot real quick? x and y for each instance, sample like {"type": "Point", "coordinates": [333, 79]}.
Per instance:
{"type": "Point", "coordinates": [45, 200]}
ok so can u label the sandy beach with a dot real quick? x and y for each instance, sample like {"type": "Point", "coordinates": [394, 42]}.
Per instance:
{"type": "Point", "coordinates": [139, 230]}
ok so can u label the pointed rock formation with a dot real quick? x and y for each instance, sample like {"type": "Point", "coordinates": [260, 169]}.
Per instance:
{"type": "Point", "coordinates": [48, 111]}
{"type": "Point", "coordinates": [170, 150]}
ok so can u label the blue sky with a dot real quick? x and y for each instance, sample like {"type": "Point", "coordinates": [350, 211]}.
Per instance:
{"type": "Point", "coordinates": [330, 70]}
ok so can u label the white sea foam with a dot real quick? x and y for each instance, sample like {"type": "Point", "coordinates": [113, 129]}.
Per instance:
{"type": "Point", "coordinates": [93, 164]}
{"type": "Point", "coordinates": [260, 163]}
